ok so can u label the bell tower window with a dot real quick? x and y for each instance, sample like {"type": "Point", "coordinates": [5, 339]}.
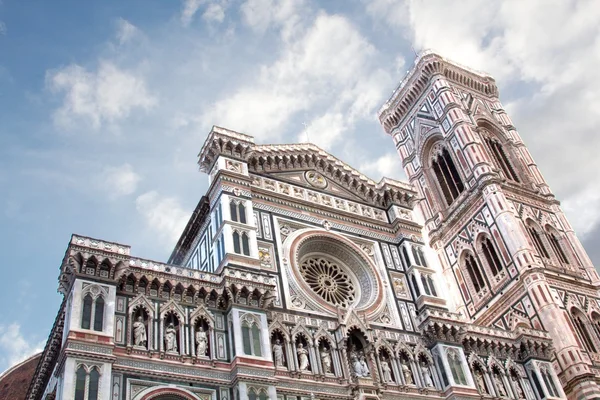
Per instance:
{"type": "Point", "coordinates": [447, 176]}
{"type": "Point", "coordinates": [474, 273]}
{"type": "Point", "coordinates": [501, 159]}
{"type": "Point", "coordinates": [491, 256]}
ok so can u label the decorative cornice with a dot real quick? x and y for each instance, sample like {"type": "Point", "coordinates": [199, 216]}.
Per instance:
{"type": "Point", "coordinates": [414, 84]}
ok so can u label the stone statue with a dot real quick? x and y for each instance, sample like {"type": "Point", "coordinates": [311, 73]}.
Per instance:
{"type": "Point", "coordinates": [480, 382]}
{"type": "Point", "coordinates": [355, 361]}
{"type": "Point", "coordinates": [517, 385]}
{"type": "Point", "coordinates": [302, 357]}
{"type": "Point", "coordinates": [500, 385]}
{"type": "Point", "coordinates": [171, 338]}
{"type": "Point", "coordinates": [427, 381]}
{"type": "Point", "coordinates": [326, 360]}
{"type": "Point", "coordinates": [363, 366]}
{"type": "Point", "coordinates": [278, 353]}
{"type": "Point", "coordinates": [139, 332]}
{"type": "Point", "coordinates": [407, 374]}
{"type": "Point", "coordinates": [201, 342]}
{"type": "Point", "coordinates": [386, 370]}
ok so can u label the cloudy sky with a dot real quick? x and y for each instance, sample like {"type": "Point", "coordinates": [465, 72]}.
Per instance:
{"type": "Point", "coordinates": [104, 106]}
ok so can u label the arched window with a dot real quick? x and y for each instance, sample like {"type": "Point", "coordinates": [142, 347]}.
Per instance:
{"type": "Point", "coordinates": [415, 255]}
{"type": "Point", "coordinates": [86, 317]}
{"type": "Point", "coordinates": [501, 159]}
{"type": "Point", "coordinates": [580, 326]}
{"type": "Point", "coordinates": [558, 250]}
{"type": "Point", "coordinates": [251, 339]}
{"type": "Point", "coordinates": [549, 381]}
{"type": "Point", "coordinates": [245, 244]}
{"type": "Point", "coordinates": [86, 383]}
{"type": "Point", "coordinates": [237, 211]}
{"type": "Point", "coordinates": [537, 241]}
{"type": "Point", "coordinates": [415, 286]}
{"type": "Point", "coordinates": [80, 377]}
{"type": "Point", "coordinates": [236, 242]}
{"type": "Point", "coordinates": [405, 256]}
{"type": "Point", "coordinates": [474, 273]}
{"type": "Point", "coordinates": [94, 380]}
{"type": "Point", "coordinates": [425, 285]}
{"type": "Point", "coordinates": [431, 285]}
{"type": "Point", "coordinates": [489, 252]}
{"type": "Point", "coordinates": [447, 176]}
{"type": "Point", "coordinates": [99, 314]}
{"type": "Point", "coordinates": [421, 257]}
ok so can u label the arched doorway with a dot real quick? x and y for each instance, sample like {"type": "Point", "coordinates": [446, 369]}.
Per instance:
{"type": "Point", "coordinates": [165, 393]}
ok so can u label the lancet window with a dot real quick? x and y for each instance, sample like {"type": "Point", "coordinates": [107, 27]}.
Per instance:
{"type": "Point", "coordinates": [491, 256]}
{"type": "Point", "coordinates": [241, 243]}
{"type": "Point", "coordinates": [537, 241]}
{"type": "Point", "coordinates": [447, 176]}
{"type": "Point", "coordinates": [474, 273]}
{"type": "Point", "coordinates": [580, 325]}
{"type": "Point", "coordinates": [549, 382]}
{"type": "Point", "coordinates": [501, 159]}
{"type": "Point", "coordinates": [86, 383]}
{"type": "Point", "coordinates": [251, 336]}
{"type": "Point", "coordinates": [554, 240]}
{"type": "Point", "coordinates": [237, 209]}
{"type": "Point", "coordinates": [428, 286]}
{"type": "Point", "coordinates": [92, 316]}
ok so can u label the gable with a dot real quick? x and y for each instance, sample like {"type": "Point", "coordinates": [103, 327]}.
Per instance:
{"type": "Point", "coordinates": [314, 180]}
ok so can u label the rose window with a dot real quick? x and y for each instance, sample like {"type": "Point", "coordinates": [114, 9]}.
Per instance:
{"type": "Point", "coordinates": [328, 280]}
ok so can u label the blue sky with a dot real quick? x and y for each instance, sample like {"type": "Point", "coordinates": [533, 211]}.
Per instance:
{"type": "Point", "coordinates": [104, 106]}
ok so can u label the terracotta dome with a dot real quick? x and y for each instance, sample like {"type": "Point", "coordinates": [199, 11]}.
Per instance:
{"type": "Point", "coordinates": [15, 381]}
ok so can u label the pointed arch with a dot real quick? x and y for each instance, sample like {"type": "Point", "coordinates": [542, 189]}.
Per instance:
{"type": "Point", "coordinates": [536, 236]}
{"type": "Point", "coordinates": [582, 327]}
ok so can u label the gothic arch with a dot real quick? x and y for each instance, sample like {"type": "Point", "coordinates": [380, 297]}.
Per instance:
{"type": "Point", "coordinates": [157, 393]}
{"type": "Point", "coordinates": [402, 349]}
{"type": "Point", "coordinates": [201, 312]}
{"type": "Point", "coordinates": [277, 326]}
{"type": "Point", "coordinates": [441, 167]}
{"type": "Point", "coordinates": [475, 360]}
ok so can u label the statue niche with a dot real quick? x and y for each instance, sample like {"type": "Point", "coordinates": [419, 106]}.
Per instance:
{"type": "Point", "coordinates": [202, 338]}
{"type": "Point", "coordinates": [140, 328]}
{"type": "Point", "coordinates": [325, 353]}
{"type": "Point", "coordinates": [302, 352]}
{"type": "Point", "coordinates": [357, 355]}
{"type": "Point", "coordinates": [171, 333]}
{"type": "Point", "coordinates": [385, 362]}
{"type": "Point", "coordinates": [277, 347]}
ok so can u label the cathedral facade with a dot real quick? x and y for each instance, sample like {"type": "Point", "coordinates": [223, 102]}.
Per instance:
{"type": "Point", "coordinates": [297, 277]}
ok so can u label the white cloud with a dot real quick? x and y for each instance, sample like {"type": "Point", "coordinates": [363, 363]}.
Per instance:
{"type": "Point", "coordinates": [327, 71]}
{"type": "Point", "coordinates": [189, 9]}
{"type": "Point", "coordinates": [388, 166]}
{"type": "Point", "coordinates": [119, 181]}
{"type": "Point", "coordinates": [3, 28]}
{"type": "Point", "coordinates": [261, 15]}
{"type": "Point", "coordinates": [14, 348]}
{"type": "Point", "coordinates": [104, 96]}
{"type": "Point", "coordinates": [164, 215]}
{"type": "Point", "coordinates": [126, 31]}
{"type": "Point", "coordinates": [214, 12]}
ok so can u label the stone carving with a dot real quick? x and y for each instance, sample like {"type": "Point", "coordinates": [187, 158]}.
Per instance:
{"type": "Point", "coordinates": [480, 382]}
{"type": "Point", "coordinates": [386, 371]}
{"type": "Point", "coordinates": [517, 386]}
{"type": "Point", "coordinates": [201, 342]}
{"type": "Point", "coordinates": [359, 363]}
{"type": "Point", "coordinates": [498, 381]}
{"type": "Point", "coordinates": [278, 353]}
{"type": "Point", "coordinates": [427, 381]}
{"type": "Point", "coordinates": [171, 338]}
{"type": "Point", "coordinates": [139, 332]}
{"type": "Point", "coordinates": [315, 179]}
{"type": "Point", "coordinates": [326, 360]}
{"type": "Point", "coordinates": [408, 378]}
{"type": "Point", "coordinates": [302, 357]}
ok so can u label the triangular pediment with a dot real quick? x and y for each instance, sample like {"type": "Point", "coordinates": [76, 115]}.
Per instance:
{"type": "Point", "coordinates": [301, 178]}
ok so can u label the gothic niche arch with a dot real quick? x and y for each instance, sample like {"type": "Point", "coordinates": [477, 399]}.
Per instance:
{"type": "Point", "coordinates": [386, 367]}
{"type": "Point", "coordinates": [496, 146]}
{"type": "Point", "coordinates": [474, 273]}
{"type": "Point", "coordinates": [489, 254]}
{"type": "Point", "coordinates": [358, 351]}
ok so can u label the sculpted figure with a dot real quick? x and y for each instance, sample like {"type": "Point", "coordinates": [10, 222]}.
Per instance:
{"type": "Point", "coordinates": [363, 366]}
{"type": "Point", "coordinates": [407, 374]}
{"type": "Point", "coordinates": [426, 375]}
{"type": "Point", "coordinates": [386, 370]}
{"type": "Point", "coordinates": [171, 338]}
{"type": "Point", "coordinates": [139, 332]}
{"type": "Point", "coordinates": [517, 385]}
{"type": "Point", "coordinates": [278, 353]}
{"type": "Point", "coordinates": [480, 382]}
{"type": "Point", "coordinates": [326, 360]}
{"type": "Point", "coordinates": [302, 357]}
{"type": "Point", "coordinates": [201, 342]}
{"type": "Point", "coordinates": [500, 385]}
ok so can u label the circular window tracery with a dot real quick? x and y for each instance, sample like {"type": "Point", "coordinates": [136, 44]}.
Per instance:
{"type": "Point", "coordinates": [327, 279]}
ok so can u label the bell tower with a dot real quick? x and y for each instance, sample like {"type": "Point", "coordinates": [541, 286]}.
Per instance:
{"type": "Point", "coordinates": [509, 256]}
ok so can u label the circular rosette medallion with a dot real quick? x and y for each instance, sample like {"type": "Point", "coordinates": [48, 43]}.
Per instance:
{"type": "Point", "coordinates": [328, 280]}
{"type": "Point", "coordinates": [315, 179]}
